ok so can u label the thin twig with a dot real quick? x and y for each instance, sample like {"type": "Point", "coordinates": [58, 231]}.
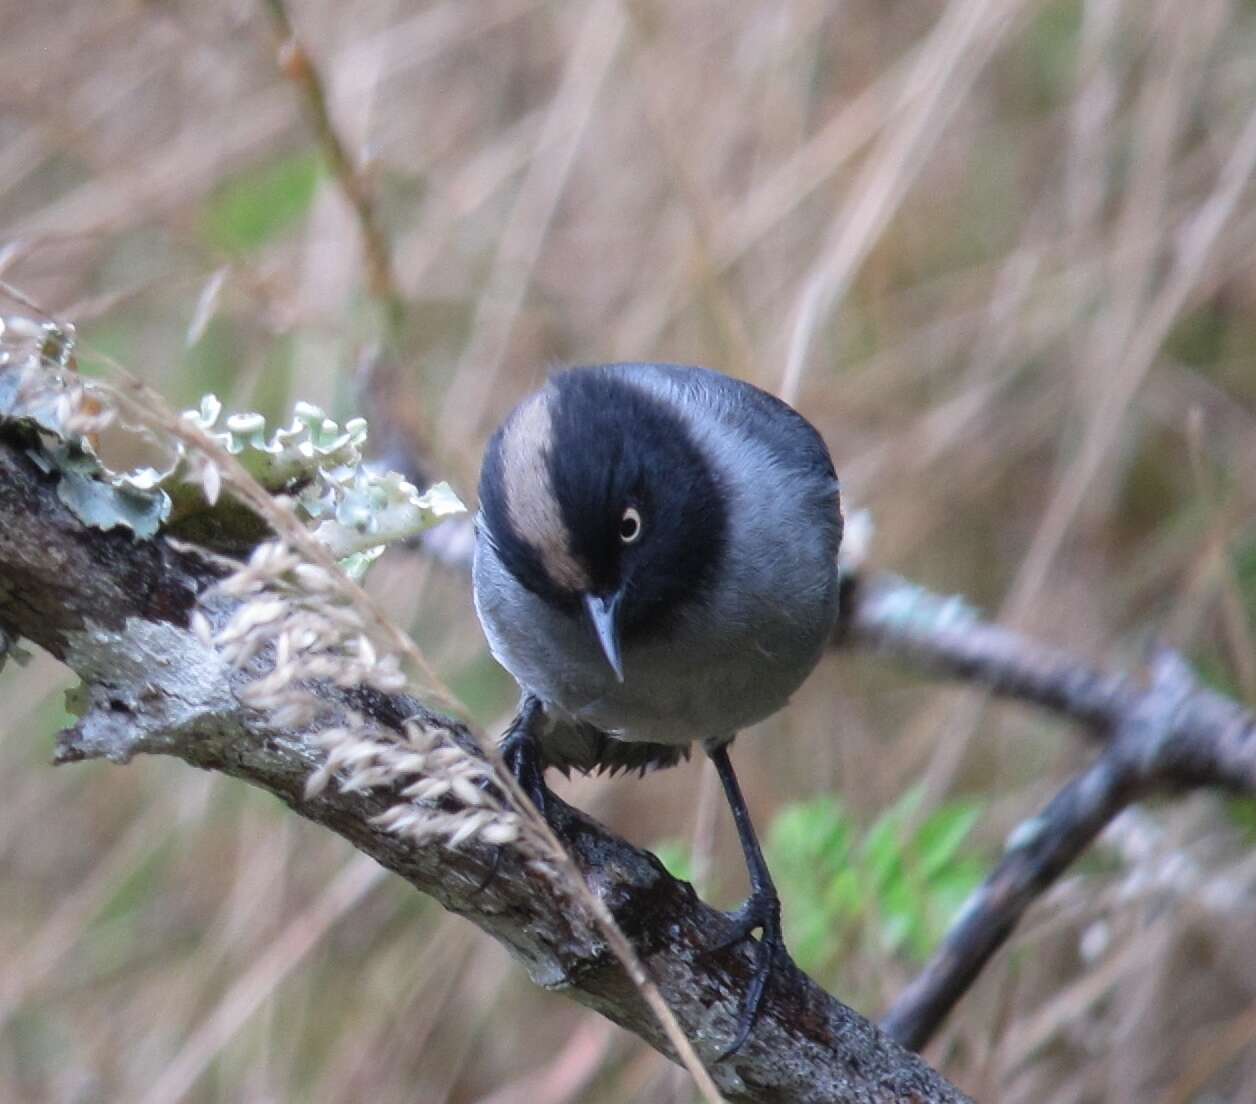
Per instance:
{"type": "Point", "coordinates": [1038, 853]}
{"type": "Point", "coordinates": [1210, 737]}
{"type": "Point", "coordinates": [149, 408]}
{"type": "Point", "coordinates": [590, 61]}
{"type": "Point", "coordinates": [297, 65]}
{"type": "Point", "coordinates": [807, 1047]}
{"type": "Point", "coordinates": [1170, 735]}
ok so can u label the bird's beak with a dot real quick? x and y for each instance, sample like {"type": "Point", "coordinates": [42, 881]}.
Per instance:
{"type": "Point", "coordinates": [603, 612]}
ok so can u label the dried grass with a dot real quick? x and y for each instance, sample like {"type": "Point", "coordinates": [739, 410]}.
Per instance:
{"type": "Point", "coordinates": [1000, 254]}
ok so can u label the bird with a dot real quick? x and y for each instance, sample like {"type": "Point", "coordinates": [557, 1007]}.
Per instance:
{"type": "Point", "coordinates": [656, 566]}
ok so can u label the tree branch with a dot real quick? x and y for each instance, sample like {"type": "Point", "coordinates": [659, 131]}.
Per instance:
{"type": "Point", "coordinates": [115, 609]}
{"type": "Point", "coordinates": [1169, 735]}
{"type": "Point", "coordinates": [1176, 734]}
{"type": "Point", "coordinates": [297, 65]}
{"type": "Point", "coordinates": [1208, 736]}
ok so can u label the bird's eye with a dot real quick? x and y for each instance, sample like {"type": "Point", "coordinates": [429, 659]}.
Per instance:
{"type": "Point", "coordinates": [630, 525]}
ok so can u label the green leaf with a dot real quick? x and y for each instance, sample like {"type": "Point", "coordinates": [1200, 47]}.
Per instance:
{"type": "Point", "coordinates": [896, 884]}
{"type": "Point", "coordinates": [844, 896]}
{"type": "Point", "coordinates": [900, 910]}
{"type": "Point", "coordinates": [940, 837]}
{"type": "Point", "coordinates": [261, 204]}
{"type": "Point", "coordinates": [949, 892]}
{"type": "Point", "coordinates": [810, 933]}
{"type": "Point", "coordinates": [882, 850]}
{"type": "Point", "coordinates": [811, 831]}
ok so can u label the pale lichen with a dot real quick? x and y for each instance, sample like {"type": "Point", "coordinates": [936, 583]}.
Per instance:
{"type": "Point", "coordinates": [278, 630]}
{"type": "Point", "coordinates": [318, 465]}
{"type": "Point", "coordinates": [146, 686]}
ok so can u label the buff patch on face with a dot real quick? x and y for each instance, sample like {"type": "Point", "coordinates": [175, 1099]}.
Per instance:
{"type": "Point", "coordinates": [530, 501]}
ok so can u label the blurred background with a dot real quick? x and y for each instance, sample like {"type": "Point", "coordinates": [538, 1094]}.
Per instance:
{"type": "Point", "coordinates": [1000, 253]}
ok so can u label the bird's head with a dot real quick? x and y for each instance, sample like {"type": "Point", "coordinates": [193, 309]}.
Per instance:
{"type": "Point", "coordinates": [598, 501]}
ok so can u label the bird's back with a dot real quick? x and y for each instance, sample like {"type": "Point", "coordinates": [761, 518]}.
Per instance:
{"type": "Point", "coordinates": [745, 410]}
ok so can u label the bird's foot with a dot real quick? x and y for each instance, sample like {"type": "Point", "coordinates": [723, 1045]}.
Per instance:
{"type": "Point", "coordinates": [762, 912]}
{"type": "Point", "coordinates": [523, 759]}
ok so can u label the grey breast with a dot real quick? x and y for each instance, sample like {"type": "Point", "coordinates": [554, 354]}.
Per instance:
{"type": "Point", "coordinates": [550, 654]}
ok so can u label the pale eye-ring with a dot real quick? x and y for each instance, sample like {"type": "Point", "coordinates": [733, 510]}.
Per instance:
{"type": "Point", "coordinates": [630, 525]}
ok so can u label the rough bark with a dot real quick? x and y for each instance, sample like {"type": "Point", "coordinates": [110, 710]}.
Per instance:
{"type": "Point", "coordinates": [115, 610]}
{"type": "Point", "coordinates": [1166, 735]}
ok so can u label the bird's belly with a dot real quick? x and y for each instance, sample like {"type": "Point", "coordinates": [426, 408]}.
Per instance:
{"type": "Point", "coordinates": [674, 694]}
{"type": "Point", "coordinates": [683, 704]}
{"type": "Point", "coordinates": [706, 682]}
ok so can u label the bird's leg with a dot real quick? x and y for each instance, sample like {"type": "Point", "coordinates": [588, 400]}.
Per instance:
{"type": "Point", "coordinates": [522, 756]}
{"type": "Point", "coordinates": [762, 909]}
{"type": "Point", "coordinates": [520, 748]}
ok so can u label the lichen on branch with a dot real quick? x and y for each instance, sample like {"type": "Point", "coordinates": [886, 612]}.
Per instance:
{"type": "Point", "coordinates": [172, 638]}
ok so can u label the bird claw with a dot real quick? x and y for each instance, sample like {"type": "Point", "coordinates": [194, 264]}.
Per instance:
{"type": "Point", "coordinates": [761, 911]}
{"type": "Point", "coordinates": [519, 752]}
{"type": "Point", "coordinates": [522, 758]}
